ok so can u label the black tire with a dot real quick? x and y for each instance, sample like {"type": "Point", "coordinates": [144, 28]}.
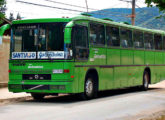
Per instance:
{"type": "Point", "coordinates": [37, 96]}
{"type": "Point", "coordinates": [146, 79]}
{"type": "Point", "coordinates": [90, 88]}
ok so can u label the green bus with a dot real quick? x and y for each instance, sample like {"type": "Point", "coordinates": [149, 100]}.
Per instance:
{"type": "Point", "coordinates": [83, 55]}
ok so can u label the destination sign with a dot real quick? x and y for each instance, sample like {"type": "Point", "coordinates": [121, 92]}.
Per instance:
{"type": "Point", "coordinates": [51, 54]}
{"type": "Point", "coordinates": [27, 27]}
{"type": "Point", "coordinates": [23, 55]}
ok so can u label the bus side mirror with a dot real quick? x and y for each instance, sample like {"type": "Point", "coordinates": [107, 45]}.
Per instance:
{"type": "Point", "coordinates": [67, 43]}
{"type": "Point", "coordinates": [68, 32]}
{"type": "Point", "coordinates": [2, 30]}
{"type": "Point", "coordinates": [67, 35]}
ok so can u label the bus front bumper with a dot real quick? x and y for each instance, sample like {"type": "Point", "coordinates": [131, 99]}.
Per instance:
{"type": "Point", "coordinates": [31, 87]}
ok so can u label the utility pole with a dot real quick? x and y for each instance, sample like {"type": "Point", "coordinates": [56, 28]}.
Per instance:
{"type": "Point", "coordinates": [133, 12]}
{"type": "Point", "coordinates": [86, 5]}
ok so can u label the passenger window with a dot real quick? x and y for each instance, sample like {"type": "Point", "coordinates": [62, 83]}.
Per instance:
{"type": "Point", "coordinates": [148, 41]}
{"type": "Point", "coordinates": [126, 38]}
{"type": "Point", "coordinates": [80, 39]}
{"type": "Point", "coordinates": [158, 42]}
{"type": "Point", "coordinates": [97, 34]}
{"type": "Point", "coordinates": [112, 36]}
{"type": "Point", "coordinates": [138, 39]}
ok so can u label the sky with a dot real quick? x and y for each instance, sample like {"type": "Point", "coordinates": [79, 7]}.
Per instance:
{"type": "Point", "coordinates": [32, 11]}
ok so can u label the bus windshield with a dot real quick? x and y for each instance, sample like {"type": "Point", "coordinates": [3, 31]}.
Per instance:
{"type": "Point", "coordinates": [37, 38]}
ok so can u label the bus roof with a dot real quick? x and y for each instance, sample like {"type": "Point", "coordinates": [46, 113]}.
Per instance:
{"type": "Point", "coordinates": [41, 20]}
{"type": "Point", "coordinates": [86, 18]}
{"type": "Point", "coordinates": [117, 24]}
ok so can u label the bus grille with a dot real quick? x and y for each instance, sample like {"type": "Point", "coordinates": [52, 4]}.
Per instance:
{"type": "Point", "coordinates": [36, 76]}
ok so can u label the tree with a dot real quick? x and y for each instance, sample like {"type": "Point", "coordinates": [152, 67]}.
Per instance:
{"type": "Point", "coordinates": [158, 3]}
{"type": "Point", "coordinates": [11, 18]}
{"type": "Point", "coordinates": [2, 9]}
{"type": "Point", "coordinates": [18, 17]}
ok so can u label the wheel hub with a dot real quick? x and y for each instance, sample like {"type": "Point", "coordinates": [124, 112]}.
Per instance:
{"type": "Point", "coordinates": [146, 81]}
{"type": "Point", "coordinates": [89, 86]}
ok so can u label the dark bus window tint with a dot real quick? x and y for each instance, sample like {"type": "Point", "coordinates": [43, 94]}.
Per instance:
{"type": "Point", "coordinates": [81, 36]}
{"type": "Point", "coordinates": [138, 39]}
{"type": "Point", "coordinates": [27, 40]}
{"type": "Point", "coordinates": [126, 38]}
{"type": "Point", "coordinates": [148, 41]}
{"type": "Point", "coordinates": [51, 37]}
{"type": "Point", "coordinates": [163, 42]}
{"type": "Point", "coordinates": [112, 36]}
{"type": "Point", "coordinates": [42, 39]}
{"type": "Point", "coordinates": [80, 39]}
{"type": "Point", "coordinates": [97, 34]}
{"type": "Point", "coordinates": [18, 40]}
{"type": "Point", "coordinates": [38, 37]}
{"type": "Point", "coordinates": [56, 37]}
{"type": "Point", "coordinates": [158, 42]}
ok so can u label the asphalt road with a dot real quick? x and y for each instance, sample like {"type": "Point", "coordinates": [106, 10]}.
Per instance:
{"type": "Point", "coordinates": [125, 104]}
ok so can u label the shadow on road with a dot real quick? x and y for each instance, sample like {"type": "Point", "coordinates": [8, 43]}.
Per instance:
{"type": "Point", "coordinates": [67, 99]}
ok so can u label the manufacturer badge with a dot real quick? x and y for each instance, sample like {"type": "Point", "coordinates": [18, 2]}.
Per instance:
{"type": "Point", "coordinates": [36, 77]}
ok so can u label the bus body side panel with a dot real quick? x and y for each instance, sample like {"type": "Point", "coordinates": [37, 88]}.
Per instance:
{"type": "Point", "coordinates": [113, 58]}
{"type": "Point", "coordinates": [149, 58]}
{"type": "Point", "coordinates": [163, 71]}
{"type": "Point", "coordinates": [133, 76]}
{"type": "Point", "coordinates": [158, 58]}
{"type": "Point", "coordinates": [72, 77]}
{"type": "Point", "coordinates": [138, 70]}
{"type": "Point", "coordinates": [126, 59]}
{"type": "Point", "coordinates": [120, 77]}
{"type": "Point", "coordinates": [80, 73]}
{"type": "Point", "coordinates": [138, 57]}
{"type": "Point", "coordinates": [98, 58]}
{"type": "Point", "coordinates": [108, 78]}
{"type": "Point", "coordinates": [159, 69]}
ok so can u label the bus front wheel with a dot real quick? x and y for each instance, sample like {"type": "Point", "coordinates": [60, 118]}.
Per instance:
{"type": "Point", "coordinates": [89, 88]}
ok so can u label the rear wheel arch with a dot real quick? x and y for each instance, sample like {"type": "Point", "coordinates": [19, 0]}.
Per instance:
{"type": "Point", "coordinates": [146, 78]}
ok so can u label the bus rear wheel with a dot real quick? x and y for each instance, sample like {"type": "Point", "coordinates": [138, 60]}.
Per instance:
{"type": "Point", "coordinates": [146, 79]}
{"type": "Point", "coordinates": [37, 96]}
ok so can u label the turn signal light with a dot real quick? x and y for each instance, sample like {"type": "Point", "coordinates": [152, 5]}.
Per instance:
{"type": "Point", "coordinates": [66, 70]}
{"type": "Point", "coordinates": [72, 76]}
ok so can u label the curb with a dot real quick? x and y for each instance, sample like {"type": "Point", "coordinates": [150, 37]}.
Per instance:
{"type": "Point", "coordinates": [3, 85]}
{"type": "Point", "coordinates": [11, 100]}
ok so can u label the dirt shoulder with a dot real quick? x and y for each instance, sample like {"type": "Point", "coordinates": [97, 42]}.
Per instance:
{"type": "Point", "coordinates": [158, 85]}
{"type": "Point", "coordinates": [159, 115]}
{"type": "Point", "coordinates": [155, 116]}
